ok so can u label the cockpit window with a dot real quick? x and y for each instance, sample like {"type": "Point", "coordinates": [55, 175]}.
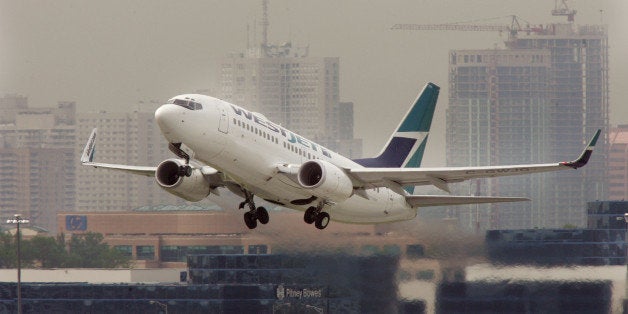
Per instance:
{"type": "Point", "coordinates": [189, 104]}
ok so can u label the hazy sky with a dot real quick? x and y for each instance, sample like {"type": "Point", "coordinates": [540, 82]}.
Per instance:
{"type": "Point", "coordinates": [109, 55]}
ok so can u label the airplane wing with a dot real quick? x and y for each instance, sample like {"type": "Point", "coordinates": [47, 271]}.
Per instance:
{"type": "Point", "coordinates": [215, 177]}
{"type": "Point", "coordinates": [443, 200]}
{"type": "Point", "coordinates": [441, 177]}
{"type": "Point", "coordinates": [88, 157]}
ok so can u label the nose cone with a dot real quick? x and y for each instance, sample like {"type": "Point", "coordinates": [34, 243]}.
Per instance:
{"type": "Point", "coordinates": [169, 120]}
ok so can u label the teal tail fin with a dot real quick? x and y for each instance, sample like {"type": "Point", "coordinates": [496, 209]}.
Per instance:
{"type": "Point", "coordinates": [406, 146]}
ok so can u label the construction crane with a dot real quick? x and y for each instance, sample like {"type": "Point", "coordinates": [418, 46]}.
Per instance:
{"type": "Point", "coordinates": [560, 9]}
{"type": "Point", "coordinates": [563, 10]}
{"type": "Point", "coordinates": [513, 29]}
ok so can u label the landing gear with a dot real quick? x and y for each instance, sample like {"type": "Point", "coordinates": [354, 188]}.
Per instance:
{"type": "Point", "coordinates": [322, 220]}
{"type": "Point", "coordinates": [316, 216]}
{"type": "Point", "coordinates": [185, 170]}
{"type": "Point", "coordinates": [262, 215]}
{"type": "Point", "coordinates": [249, 220]}
{"type": "Point", "coordinates": [254, 214]}
{"type": "Point", "coordinates": [310, 215]}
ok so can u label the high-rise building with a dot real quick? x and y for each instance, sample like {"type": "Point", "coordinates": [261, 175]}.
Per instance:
{"type": "Point", "coordinates": [131, 138]}
{"type": "Point", "coordinates": [539, 100]}
{"type": "Point", "coordinates": [299, 92]}
{"type": "Point", "coordinates": [618, 163]}
{"type": "Point", "coordinates": [288, 87]}
{"type": "Point", "coordinates": [37, 160]}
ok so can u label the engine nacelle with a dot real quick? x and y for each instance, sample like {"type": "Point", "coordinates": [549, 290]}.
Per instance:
{"type": "Point", "coordinates": [169, 176]}
{"type": "Point", "coordinates": [325, 180]}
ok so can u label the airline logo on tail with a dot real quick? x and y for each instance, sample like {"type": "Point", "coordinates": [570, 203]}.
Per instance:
{"type": "Point", "coordinates": [406, 146]}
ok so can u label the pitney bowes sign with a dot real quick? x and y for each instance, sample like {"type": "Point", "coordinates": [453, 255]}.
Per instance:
{"type": "Point", "coordinates": [291, 292]}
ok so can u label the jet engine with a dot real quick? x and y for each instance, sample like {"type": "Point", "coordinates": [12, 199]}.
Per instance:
{"type": "Point", "coordinates": [326, 180]}
{"type": "Point", "coordinates": [174, 176]}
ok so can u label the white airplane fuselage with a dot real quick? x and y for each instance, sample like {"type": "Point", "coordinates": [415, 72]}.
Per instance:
{"type": "Point", "coordinates": [220, 145]}
{"type": "Point", "coordinates": [249, 149]}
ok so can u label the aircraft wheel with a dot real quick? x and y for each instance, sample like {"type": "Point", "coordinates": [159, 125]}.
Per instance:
{"type": "Point", "coordinates": [322, 220]}
{"type": "Point", "coordinates": [185, 171]}
{"type": "Point", "coordinates": [310, 215]}
{"type": "Point", "coordinates": [262, 215]}
{"type": "Point", "coordinates": [249, 220]}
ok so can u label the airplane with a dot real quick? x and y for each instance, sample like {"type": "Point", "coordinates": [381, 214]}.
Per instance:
{"type": "Point", "coordinates": [221, 145]}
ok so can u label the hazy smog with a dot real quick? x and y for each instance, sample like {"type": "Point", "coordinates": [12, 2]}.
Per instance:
{"type": "Point", "coordinates": [109, 56]}
{"type": "Point", "coordinates": [69, 66]}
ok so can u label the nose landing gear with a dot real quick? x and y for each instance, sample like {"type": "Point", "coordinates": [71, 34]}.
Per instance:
{"type": "Point", "coordinates": [179, 150]}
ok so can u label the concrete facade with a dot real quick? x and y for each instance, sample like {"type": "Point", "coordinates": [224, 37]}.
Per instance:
{"type": "Point", "coordinates": [299, 92]}
{"type": "Point", "coordinates": [131, 138]}
{"type": "Point", "coordinates": [539, 100]}
{"type": "Point", "coordinates": [37, 160]}
{"type": "Point", "coordinates": [618, 163]}
{"type": "Point", "coordinates": [165, 275]}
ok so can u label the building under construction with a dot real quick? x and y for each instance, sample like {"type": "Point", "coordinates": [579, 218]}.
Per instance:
{"type": "Point", "coordinates": [300, 92]}
{"type": "Point", "coordinates": [538, 100]}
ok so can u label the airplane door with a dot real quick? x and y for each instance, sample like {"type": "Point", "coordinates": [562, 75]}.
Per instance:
{"type": "Point", "coordinates": [223, 123]}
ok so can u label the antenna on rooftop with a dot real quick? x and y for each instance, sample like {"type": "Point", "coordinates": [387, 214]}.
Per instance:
{"type": "Point", "coordinates": [265, 23]}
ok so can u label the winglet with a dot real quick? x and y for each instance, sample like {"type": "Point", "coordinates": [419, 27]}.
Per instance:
{"type": "Point", "coordinates": [90, 148]}
{"type": "Point", "coordinates": [586, 154]}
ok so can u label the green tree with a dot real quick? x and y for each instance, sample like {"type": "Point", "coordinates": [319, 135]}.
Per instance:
{"type": "Point", "coordinates": [48, 252]}
{"type": "Point", "coordinates": [7, 251]}
{"type": "Point", "coordinates": [88, 251]}
{"type": "Point", "coordinates": [85, 250]}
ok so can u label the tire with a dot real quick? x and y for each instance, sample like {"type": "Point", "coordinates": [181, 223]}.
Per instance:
{"type": "Point", "coordinates": [322, 220]}
{"type": "Point", "coordinates": [250, 220]}
{"type": "Point", "coordinates": [310, 215]}
{"type": "Point", "coordinates": [262, 215]}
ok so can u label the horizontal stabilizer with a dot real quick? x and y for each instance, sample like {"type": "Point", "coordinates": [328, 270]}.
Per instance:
{"type": "Point", "coordinates": [442, 200]}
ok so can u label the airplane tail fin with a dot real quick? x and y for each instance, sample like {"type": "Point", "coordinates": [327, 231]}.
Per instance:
{"type": "Point", "coordinates": [406, 146]}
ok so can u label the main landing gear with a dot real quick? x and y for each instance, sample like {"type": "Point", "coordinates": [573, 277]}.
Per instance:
{"type": "Point", "coordinates": [317, 216]}
{"type": "Point", "coordinates": [254, 214]}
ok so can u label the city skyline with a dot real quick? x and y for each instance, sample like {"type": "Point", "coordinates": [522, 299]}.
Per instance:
{"type": "Point", "coordinates": [536, 100]}
{"type": "Point", "coordinates": [108, 56]}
